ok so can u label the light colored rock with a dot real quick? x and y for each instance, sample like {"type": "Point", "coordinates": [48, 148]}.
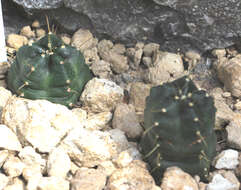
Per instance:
{"type": "Point", "coordinates": [8, 140]}
{"type": "Point", "coordinates": [35, 24]}
{"type": "Point", "coordinates": [150, 48]}
{"type": "Point", "coordinates": [118, 62]}
{"type": "Point", "coordinates": [83, 39]}
{"type": "Point", "coordinates": [229, 72]}
{"type": "Point", "coordinates": [89, 179]}
{"type": "Point", "coordinates": [4, 96]}
{"type": "Point", "coordinates": [219, 53]}
{"type": "Point", "coordinates": [3, 84]}
{"type": "Point", "coordinates": [39, 123]}
{"type": "Point", "coordinates": [134, 176]}
{"type": "Point", "coordinates": [119, 49]}
{"type": "Point", "coordinates": [123, 159]}
{"type": "Point", "coordinates": [32, 159]}
{"type": "Point", "coordinates": [52, 183]}
{"type": "Point", "coordinates": [101, 69]}
{"type": "Point", "coordinates": [176, 179]}
{"type": "Point", "coordinates": [4, 66]}
{"type": "Point", "coordinates": [220, 183]}
{"type": "Point", "coordinates": [80, 113]}
{"type": "Point", "coordinates": [234, 132]}
{"type": "Point", "coordinates": [156, 75]}
{"type": "Point", "coordinates": [40, 32]}
{"type": "Point", "coordinates": [91, 56]}
{"type": "Point", "coordinates": [138, 93]}
{"type": "Point", "coordinates": [32, 182]}
{"type": "Point", "coordinates": [125, 119]}
{"type": "Point", "coordinates": [227, 159]}
{"type": "Point", "coordinates": [32, 172]}
{"type": "Point", "coordinates": [3, 156]}
{"type": "Point", "coordinates": [15, 184]}
{"type": "Point", "coordinates": [107, 167]}
{"type": "Point", "coordinates": [58, 163]}
{"type": "Point", "coordinates": [147, 61]}
{"type": "Point", "coordinates": [224, 114]}
{"type": "Point", "coordinates": [226, 94]}
{"type": "Point", "coordinates": [98, 121]}
{"type": "Point", "coordinates": [192, 58]}
{"type": "Point", "coordinates": [3, 181]}
{"type": "Point", "coordinates": [104, 47]}
{"type": "Point", "coordinates": [16, 41]}
{"type": "Point", "coordinates": [89, 148]}
{"type": "Point", "coordinates": [13, 166]}
{"type": "Point", "coordinates": [135, 55]}
{"type": "Point", "coordinates": [66, 39]}
{"type": "Point", "coordinates": [237, 105]}
{"type": "Point", "coordinates": [101, 95]}
{"type": "Point", "coordinates": [27, 31]}
{"type": "Point", "coordinates": [230, 176]}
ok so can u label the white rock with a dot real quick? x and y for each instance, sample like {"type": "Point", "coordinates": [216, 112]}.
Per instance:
{"type": "Point", "coordinates": [8, 140]}
{"type": "Point", "coordinates": [3, 156]}
{"type": "Point", "coordinates": [32, 159]}
{"type": "Point", "coordinates": [123, 159]}
{"type": "Point", "coordinates": [32, 182]}
{"type": "Point", "coordinates": [13, 166]}
{"type": "Point", "coordinates": [31, 172]}
{"type": "Point", "coordinates": [58, 163]}
{"type": "Point", "coordinates": [227, 159]}
{"type": "Point", "coordinates": [220, 183]}
{"type": "Point", "coordinates": [15, 184]}
{"type": "Point", "coordinates": [4, 96]}
{"type": "Point", "coordinates": [80, 113]}
{"type": "Point", "coordinates": [16, 41]}
{"type": "Point", "coordinates": [39, 123]}
{"type": "Point", "coordinates": [101, 95]}
{"type": "Point", "coordinates": [52, 183]}
{"type": "Point", "coordinates": [89, 148]}
{"type": "Point", "coordinates": [98, 121]}
{"type": "Point", "coordinates": [3, 181]}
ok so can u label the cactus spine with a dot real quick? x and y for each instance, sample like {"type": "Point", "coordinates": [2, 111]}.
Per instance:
{"type": "Point", "coordinates": [49, 69]}
{"type": "Point", "coordinates": [178, 122]}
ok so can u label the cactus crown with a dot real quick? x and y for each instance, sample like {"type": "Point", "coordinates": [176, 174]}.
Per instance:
{"type": "Point", "coordinates": [49, 69]}
{"type": "Point", "coordinates": [178, 122]}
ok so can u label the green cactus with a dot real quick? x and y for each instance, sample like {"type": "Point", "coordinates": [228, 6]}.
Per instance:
{"type": "Point", "coordinates": [49, 69]}
{"type": "Point", "coordinates": [179, 121]}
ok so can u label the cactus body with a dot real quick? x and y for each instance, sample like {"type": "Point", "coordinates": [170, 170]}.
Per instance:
{"type": "Point", "coordinates": [49, 69]}
{"type": "Point", "coordinates": [178, 122]}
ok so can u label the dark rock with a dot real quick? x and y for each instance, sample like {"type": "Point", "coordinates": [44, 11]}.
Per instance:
{"type": "Point", "coordinates": [178, 24]}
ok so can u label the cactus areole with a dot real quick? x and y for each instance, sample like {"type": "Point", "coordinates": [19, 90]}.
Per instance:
{"type": "Point", "coordinates": [179, 129]}
{"type": "Point", "coordinates": [49, 69]}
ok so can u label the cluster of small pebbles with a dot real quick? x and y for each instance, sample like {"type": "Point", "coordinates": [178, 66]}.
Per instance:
{"type": "Point", "coordinates": [47, 146]}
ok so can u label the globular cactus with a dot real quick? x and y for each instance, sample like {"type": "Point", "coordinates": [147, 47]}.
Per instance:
{"type": "Point", "coordinates": [49, 69]}
{"type": "Point", "coordinates": [179, 129]}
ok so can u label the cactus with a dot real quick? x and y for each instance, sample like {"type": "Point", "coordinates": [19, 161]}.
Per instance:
{"type": "Point", "coordinates": [49, 69]}
{"type": "Point", "coordinates": [179, 129]}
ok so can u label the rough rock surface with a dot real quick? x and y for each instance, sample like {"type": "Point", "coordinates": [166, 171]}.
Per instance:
{"type": "Point", "coordinates": [101, 95]}
{"type": "Point", "coordinates": [176, 24]}
{"type": "Point", "coordinates": [175, 178]}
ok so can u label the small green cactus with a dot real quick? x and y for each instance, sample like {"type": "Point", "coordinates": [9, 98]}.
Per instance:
{"type": "Point", "coordinates": [49, 69]}
{"type": "Point", "coordinates": [179, 129]}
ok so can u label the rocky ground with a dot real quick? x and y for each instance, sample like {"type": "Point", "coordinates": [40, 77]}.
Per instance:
{"type": "Point", "coordinates": [47, 146]}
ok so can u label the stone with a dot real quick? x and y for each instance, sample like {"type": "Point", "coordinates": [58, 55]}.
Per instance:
{"type": "Point", "coordinates": [13, 166]}
{"type": "Point", "coordinates": [227, 159]}
{"type": "Point", "coordinates": [14, 184]}
{"type": "Point", "coordinates": [123, 159]}
{"type": "Point", "coordinates": [32, 182]}
{"type": "Point", "coordinates": [147, 61]}
{"type": "Point", "coordinates": [3, 157]}
{"type": "Point", "coordinates": [91, 56]}
{"type": "Point", "coordinates": [156, 76]}
{"type": "Point", "coordinates": [125, 119]}
{"type": "Point", "coordinates": [104, 46]}
{"type": "Point", "coordinates": [89, 179]}
{"type": "Point", "coordinates": [101, 95]}
{"type": "Point", "coordinates": [3, 84]}
{"type": "Point", "coordinates": [39, 123]}
{"type": "Point", "coordinates": [119, 49]}
{"type": "Point", "coordinates": [32, 159]}
{"type": "Point", "coordinates": [132, 177]}
{"type": "Point", "coordinates": [53, 183]}
{"type": "Point", "coordinates": [193, 58]}
{"type": "Point", "coordinates": [83, 39]}
{"type": "Point", "coordinates": [8, 140]}
{"type": "Point", "coordinates": [4, 96]}
{"type": "Point", "coordinates": [237, 105]}
{"type": "Point", "coordinates": [118, 62]}
{"type": "Point", "coordinates": [150, 48]}
{"type": "Point", "coordinates": [32, 173]}
{"type": "Point", "coordinates": [16, 41]}
{"type": "Point", "coordinates": [220, 183]}
{"type": "Point", "coordinates": [224, 114]}
{"type": "Point", "coordinates": [219, 53]}
{"type": "Point", "coordinates": [3, 181]}
{"type": "Point", "coordinates": [89, 148]}
{"type": "Point", "coordinates": [229, 72]}
{"type": "Point", "coordinates": [58, 163]}
{"type": "Point", "coordinates": [107, 167]}
{"type": "Point", "coordinates": [66, 39]}
{"type": "Point", "coordinates": [4, 66]}
{"type": "Point", "coordinates": [27, 31]}
{"type": "Point", "coordinates": [101, 69]}
{"type": "Point", "coordinates": [176, 178]}
{"type": "Point", "coordinates": [138, 93]}
{"type": "Point", "coordinates": [35, 24]}
{"type": "Point", "coordinates": [98, 121]}
{"type": "Point", "coordinates": [234, 132]}
{"type": "Point", "coordinates": [230, 176]}
{"type": "Point", "coordinates": [80, 113]}
{"type": "Point", "coordinates": [135, 55]}
{"type": "Point", "coordinates": [40, 32]}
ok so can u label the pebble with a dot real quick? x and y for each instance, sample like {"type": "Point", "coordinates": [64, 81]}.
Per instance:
{"type": "Point", "coordinates": [227, 159]}
{"type": "Point", "coordinates": [16, 41]}
{"type": "Point", "coordinates": [13, 166]}
{"type": "Point", "coordinates": [220, 183]}
{"type": "Point", "coordinates": [27, 31]}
